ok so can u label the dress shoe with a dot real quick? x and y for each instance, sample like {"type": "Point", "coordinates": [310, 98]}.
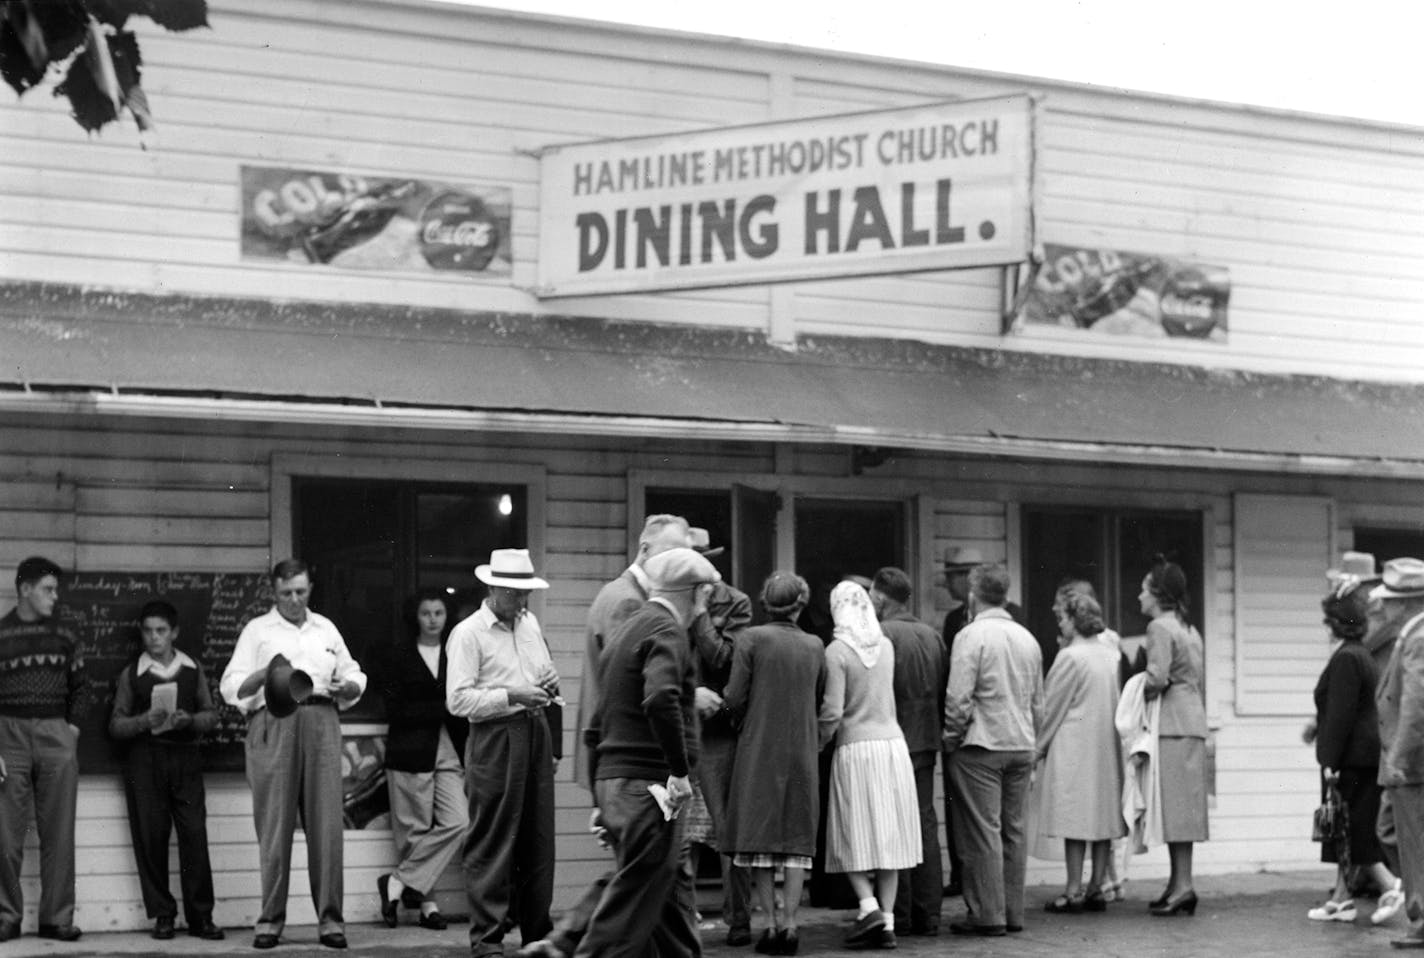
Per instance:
{"type": "Point", "coordinates": [9, 930]}
{"type": "Point", "coordinates": [1409, 941]}
{"type": "Point", "coordinates": [390, 910]}
{"type": "Point", "coordinates": [1184, 902]}
{"type": "Point", "coordinates": [1013, 929]}
{"type": "Point", "coordinates": [885, 940]}
{"type": "Point", "coordinates": [264, 940]}
{"type": "Point", "coordinates": [163, 929]}
{"type": "Point", "coordinates": [60, 932]}
{"type": "Point", "coordinates": [332, 939]}
{"type": "Point", "coordinates": [434, 921]}
{"type": "Point", "coordinates": [787, 942]}
{"type": "Point", "coordinates": [863, 933]}
{"type": "Point", "coordinates": [540, 948]}
{"type": "Point", "coordinates": [1095, 901]}
{"type": "Point", "coordinates": [207, 931]}
{"type": "Point", "coordinates": [953, 890]}
{"type": "Point", "coordinates": [1159, 901]}
{"type": "Point", "coordinates": [739, 937]}
{"type": "Point", "coordinates": [973, 928]}
{"type": "Point", "coordinates": [768, 943]}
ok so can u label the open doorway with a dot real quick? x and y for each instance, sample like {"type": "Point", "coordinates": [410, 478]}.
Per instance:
{"type": "Point", "coordinates": [836, 538]}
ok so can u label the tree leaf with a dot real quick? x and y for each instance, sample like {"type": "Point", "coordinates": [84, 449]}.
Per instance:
{"type": "Point", "coordinates": [178, 14]}
{"type": "Point", "coordinates": [89, 106]}
{"type": "Point", "coordinates": [123, 49]}
{"type": "Point", "coordinates": [63, 22]}
{"type": "Point", "coordinates": [137, 102]}
{"type": "Point", "coordinates": [15, 64]}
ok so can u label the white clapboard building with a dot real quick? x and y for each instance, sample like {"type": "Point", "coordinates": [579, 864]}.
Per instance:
{"type": "Point", "coordinates": [393, 283]}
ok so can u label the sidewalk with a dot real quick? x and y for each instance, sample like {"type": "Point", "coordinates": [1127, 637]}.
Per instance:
{"type": "Point", "coordinates": [1258, 915]}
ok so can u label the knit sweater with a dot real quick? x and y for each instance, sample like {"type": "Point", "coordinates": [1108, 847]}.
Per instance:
{"type": "Point", "coordinates": [646, 726]}
{"type": "Point", "coordinates": [41, 669]}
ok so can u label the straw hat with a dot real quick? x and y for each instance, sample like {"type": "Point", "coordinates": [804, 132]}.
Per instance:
{"type": "Point", "coordinates": [512, 569]}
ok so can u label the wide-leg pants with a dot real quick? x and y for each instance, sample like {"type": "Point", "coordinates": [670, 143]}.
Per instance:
{"type": "Point", "coordinates": [42, 777]}
{"type": "Point", "coordinates": [990, 807]}
{"type": "Point", "coordinates": [429, 815]}
{"type": "Point", "coordinates": [163, 789]}
{"type": "Point", "coordinates": [509, 847]}
{"type": "Point", "coordinates": [294, 763]}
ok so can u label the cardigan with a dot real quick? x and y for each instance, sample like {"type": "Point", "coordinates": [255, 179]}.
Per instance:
{"type": "Point", "coordinates": [415, 709]}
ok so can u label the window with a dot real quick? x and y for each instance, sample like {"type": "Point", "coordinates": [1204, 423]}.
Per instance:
{"type": "Point", "coordinates": [1386, 544]}
{"type": "Point", "coordinates": [372, 542]}
{"type": "Point", "coordinates": [1113, 549]}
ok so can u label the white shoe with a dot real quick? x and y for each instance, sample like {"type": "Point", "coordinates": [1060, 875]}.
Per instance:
{"type": "Point", "coordinates": [1389, 903]}
{"type": "Point", "coordinates": [1334, 911]}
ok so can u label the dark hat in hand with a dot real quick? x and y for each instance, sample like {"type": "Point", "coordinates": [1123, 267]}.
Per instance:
{"type": "Point", "coordinates": [286, 687]}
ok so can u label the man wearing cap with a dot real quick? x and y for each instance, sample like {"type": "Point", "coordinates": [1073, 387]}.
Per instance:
{"type": "Point", "coordinates": [645, 741]}
{"type": "Point", "coordinates": [1399, 699]}
{"type": "Point", "coordinates": [500, 676]}
{"type": "Point", "coordinates": [294, 751]}
{"type": "Point", "coordinates": [714, 632]}
{"type": "Point", "coordinates": [921, 671]}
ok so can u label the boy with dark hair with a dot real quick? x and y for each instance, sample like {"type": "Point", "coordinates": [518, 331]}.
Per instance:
{"type": "Point", "coordinates": [163, 707]}
{"type": "Point", "coordinates": [41, 680]}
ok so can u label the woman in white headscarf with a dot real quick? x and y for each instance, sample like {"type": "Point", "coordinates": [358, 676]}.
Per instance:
{"type": "Point", "coordinates": [872, 827]}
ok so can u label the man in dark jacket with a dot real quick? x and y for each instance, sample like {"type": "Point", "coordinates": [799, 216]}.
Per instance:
{"type": "Point", "coordinates": [645, 742]}
{"type": "Point", "coordinates": [920, 674]}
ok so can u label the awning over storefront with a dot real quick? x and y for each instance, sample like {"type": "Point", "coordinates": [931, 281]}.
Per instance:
{"type": "Point", "coordinates": [256, 359]}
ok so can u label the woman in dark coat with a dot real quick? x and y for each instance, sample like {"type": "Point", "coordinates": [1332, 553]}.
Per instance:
{"type": "Point", "coordinates": [425, 771]}
{"type": "Point", "coordinates": [778, 673]}
{"type": "Point", "coordinates": [1347, 746]}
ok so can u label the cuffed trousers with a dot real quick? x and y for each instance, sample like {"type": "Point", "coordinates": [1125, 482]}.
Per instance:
{"type": "Point", "coordinates": [42, 776]}
{"type": "Point", "coordinates": [294, 763]}
{"type": "Point", "coordinates": [990, 804]}
{"type": "Point", "coordinates": [163, 789]}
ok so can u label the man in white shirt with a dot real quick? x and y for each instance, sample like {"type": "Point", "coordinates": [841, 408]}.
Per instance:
{"type": "Point", "coordinates": [295, 758]}
{"type": "Point", "coordinates": [500, 676]}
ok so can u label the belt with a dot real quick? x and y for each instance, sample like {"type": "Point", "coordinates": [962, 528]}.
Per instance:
{"type": "Point", "coordinates": [317, 700]}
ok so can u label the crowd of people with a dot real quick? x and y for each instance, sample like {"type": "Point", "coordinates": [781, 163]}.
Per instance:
{"type": "Point", "coordinates": [698, 729]}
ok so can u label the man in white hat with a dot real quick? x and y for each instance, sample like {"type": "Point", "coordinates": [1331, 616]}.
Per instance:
{"type": "Point", "coordinates": [1399, 698]}
{"type": "Point", "coordinates": [500, 675]}
{"type": "Point", "coordinates": [645, 738]}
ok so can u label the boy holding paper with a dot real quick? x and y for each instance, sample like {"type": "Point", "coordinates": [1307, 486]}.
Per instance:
{"type": "Point", "coordinates": [163, 706]}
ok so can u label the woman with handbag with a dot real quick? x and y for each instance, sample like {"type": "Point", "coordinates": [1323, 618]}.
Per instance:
{"type": "Point", "coordinates": [1347, 747]}
{"type": "Point", "coordinates": [424, 765]}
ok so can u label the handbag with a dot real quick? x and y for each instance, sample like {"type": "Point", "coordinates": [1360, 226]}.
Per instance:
{"type": "Point", "coordinates": [1332, 818]}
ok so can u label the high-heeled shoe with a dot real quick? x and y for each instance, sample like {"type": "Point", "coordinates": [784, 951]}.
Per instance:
{"type": "Point", "coordinates": [1183, 902]}
{"type": "Point", "coordinates": [1159, 901]}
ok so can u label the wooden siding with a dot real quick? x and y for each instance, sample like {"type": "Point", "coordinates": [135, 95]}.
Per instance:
{"type": "Point", "coordinates": [1283, 547]}
{"type": "Point", "coordinates": [1319, 221]}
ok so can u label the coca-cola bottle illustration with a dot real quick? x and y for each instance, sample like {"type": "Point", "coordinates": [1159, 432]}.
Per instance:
{"type": "Point", "coordinates": [356, 220]}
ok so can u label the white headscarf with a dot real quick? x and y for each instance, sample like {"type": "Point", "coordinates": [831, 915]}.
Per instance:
{"type": "Point", "coordinates": [856, 624]}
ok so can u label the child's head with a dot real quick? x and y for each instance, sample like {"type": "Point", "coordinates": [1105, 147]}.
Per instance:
{"type": "Point", "coordinates": [158, 624]}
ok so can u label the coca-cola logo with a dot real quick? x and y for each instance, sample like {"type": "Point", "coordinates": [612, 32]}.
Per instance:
{"type": "Point", "coordinates": [457, 232]}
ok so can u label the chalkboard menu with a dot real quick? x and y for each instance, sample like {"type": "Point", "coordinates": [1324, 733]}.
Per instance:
{"type": "Point", "coordinates": [102, 610]}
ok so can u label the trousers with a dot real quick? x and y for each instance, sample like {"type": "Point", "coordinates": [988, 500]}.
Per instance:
{"type": "Point", "coordinates": [990, 803]}
{"type": "Point", "coordinates": [294, 765]}
{"type": "Point", "coordinates": [163, 790]}
{"type": "Point", "coordinates": [43, 777]}
{"type": "Point", "coordinates": [921, 891]}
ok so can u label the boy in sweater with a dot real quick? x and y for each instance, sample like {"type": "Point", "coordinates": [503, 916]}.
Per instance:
{"type": "Point", "coordinates": [41, 680]}
{"type": "Point", "coordinates": [162, 708]}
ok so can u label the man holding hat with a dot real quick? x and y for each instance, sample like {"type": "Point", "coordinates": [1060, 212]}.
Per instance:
{"type": "Point", "coordinates": [1400, 701]}
{"type": "Point", "coordinates": [294, 748]}
{"type": "Point", "coordinates": [645, 741]}
{"type": "Point", "coordinates": [500, 676]}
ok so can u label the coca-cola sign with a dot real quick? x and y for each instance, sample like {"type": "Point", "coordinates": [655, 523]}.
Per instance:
{"type": "Point", "coordinates": [387, 223]}
{"type": "Point", "coordinates": [1135, 294]}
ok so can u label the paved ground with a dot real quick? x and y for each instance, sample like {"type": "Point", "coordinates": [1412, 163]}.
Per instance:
{"type": "Point", "coordinates": [1244, 916]}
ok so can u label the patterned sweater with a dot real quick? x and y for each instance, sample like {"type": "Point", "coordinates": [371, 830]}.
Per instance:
{"type": "Point", "coordinates": [41, 669]}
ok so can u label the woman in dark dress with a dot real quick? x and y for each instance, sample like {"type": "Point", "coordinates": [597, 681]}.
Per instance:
{"type": "Point", "coordinates": [425, 771]}
{"type": "Point", "coordinates": [1347, 746]}
{"type": "Point", "coordinates": [778, 673]}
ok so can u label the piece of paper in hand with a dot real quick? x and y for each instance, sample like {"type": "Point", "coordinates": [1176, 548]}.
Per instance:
{"type": "Point", "coordinates": [165, 696]}
{"type": "Point", "coordinates": [660, 794]}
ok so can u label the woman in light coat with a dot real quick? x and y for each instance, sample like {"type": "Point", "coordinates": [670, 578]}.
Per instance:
{"type": "Point", "coordinates": [1081, 776]}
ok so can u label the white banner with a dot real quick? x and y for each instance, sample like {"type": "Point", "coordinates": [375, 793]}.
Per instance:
{"type": "Point", "coordinates": [945, 186]}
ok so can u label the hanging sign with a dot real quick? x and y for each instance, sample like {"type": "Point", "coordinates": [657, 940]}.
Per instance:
{"type": "Point", "coordinates": [1127, 294]}
{"type": "Point", "coordinates": [945, 186]}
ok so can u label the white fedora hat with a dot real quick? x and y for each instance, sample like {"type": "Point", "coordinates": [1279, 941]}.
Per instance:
{"type": "Point", "coordinates": [510, 568]}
